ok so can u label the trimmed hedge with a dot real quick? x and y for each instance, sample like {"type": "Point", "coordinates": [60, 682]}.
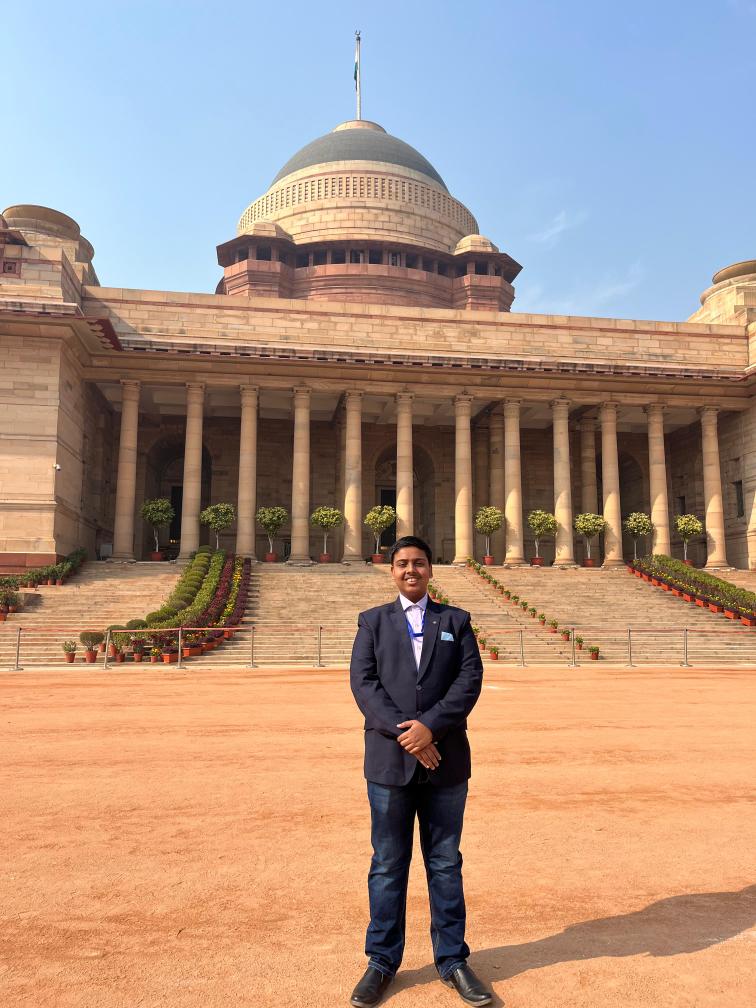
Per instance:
{"type": "Point", "coordinates": [700, 583]}
{"type": "Point", "coordinates": [59, 571]}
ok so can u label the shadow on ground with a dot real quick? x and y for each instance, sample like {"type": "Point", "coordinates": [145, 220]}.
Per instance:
{"type": "Point", "coordinates": [675, 926]}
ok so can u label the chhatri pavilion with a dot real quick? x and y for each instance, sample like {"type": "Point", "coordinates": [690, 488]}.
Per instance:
{"type": "Point", "coordinates": [360, 348]}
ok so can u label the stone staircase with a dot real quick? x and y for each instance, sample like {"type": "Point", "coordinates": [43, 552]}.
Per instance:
{"type": "Point", "coordinates": [288, 605]}
{"type": "Point", "coordinates": [98, 595]}
{"type": "Point", "coordinates": [601, 606]}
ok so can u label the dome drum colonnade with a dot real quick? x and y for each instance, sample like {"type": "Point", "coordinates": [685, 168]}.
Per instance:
{"type": "Point", "coordinates": [504, 471]}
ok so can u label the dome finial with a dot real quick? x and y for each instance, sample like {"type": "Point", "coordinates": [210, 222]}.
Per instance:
{"type": "Point", "coordinates": [357, 76]}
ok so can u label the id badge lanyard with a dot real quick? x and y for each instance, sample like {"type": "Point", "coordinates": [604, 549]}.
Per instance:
{"type": "Point", "coordinates": [411, 632]}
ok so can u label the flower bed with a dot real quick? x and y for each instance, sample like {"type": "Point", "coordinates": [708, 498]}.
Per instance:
{"type": "Point", "coordinates": [51, 574]}
{"type": "Point", "coordinates": [699, 587]}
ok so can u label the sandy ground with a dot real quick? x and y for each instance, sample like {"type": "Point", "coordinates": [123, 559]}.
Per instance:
{"type": "Point", "coordinates": [202, 839]}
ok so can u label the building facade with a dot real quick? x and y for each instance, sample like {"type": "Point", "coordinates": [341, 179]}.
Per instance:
{"type": "Point", "coordinates": [360, 349]}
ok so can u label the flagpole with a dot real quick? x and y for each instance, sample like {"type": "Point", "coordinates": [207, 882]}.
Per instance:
{"type": "Point", "coordinates": [357, 74]}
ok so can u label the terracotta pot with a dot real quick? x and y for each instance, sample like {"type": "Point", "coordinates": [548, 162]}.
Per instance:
{"type": "Point", "coordinates": [713, 607]}
{"type": "Point", "coordinates": [154, 659]}
{"type": "Point", "coordinates": [156, 556]}
{"type": "Point", "coordinates": [70, 657]}
{"type": "Point", "coordinates": [168, 659]}
{"type": "Point", "coordinates": [271, 558]}
{"type": "Point", "coordinates": [101, 647]}
{"type": "Point", "coordinates": [111, 651]}
{"type": "Point", "coordinates": [187, 652]}
{"type": "Point", "coordinates": [536, 561]}
{"type": "Point", "coordinates": [492, 656]}
{"type": "Point", "coordinates": [90, 657]}
{"type": "Point", "coordinates": [324, 558]}
{"type": "Point", "coordinates": [688, 598]}
{"type": "Point", "coordinates": [488, 561]}
{"type": "Point", "coordinates": [579, 646]}
{"type": "Point", "coordinates": [748, 620]}
{"type": "Point", "coordinates": [730, 614]}
{"type": "Point", "coordinates": [120, 658]}
{"type": "Point", "coordinates": [637, 573]}
{"type": "Point", "coordinates": [655, 582]}
{"type": "Point", "coordinates": [378, 558]}
{"type": "Point", "coordinates": [700, 603]}
{"type": "Point", "coordinates": [50, 581]}
{"type": "Point", "coordinates": [589, 562]}
{"type": "Point", "coordinates": [688, 563]}
{"type": "Point", "coordinates": [565, 637]}
{"type": "Point", "coordinates": [552, 629]}
{"type": "Point", "coordinates": [137, 656]}
{"type": "Point", "coordinates": [594, 657]}
{"type": "Point", "coordinates": [59, 582]}
{"type": "Point", "coordinates": [676, 592]}
{"type": "Point", "coordinates": [3, 615]}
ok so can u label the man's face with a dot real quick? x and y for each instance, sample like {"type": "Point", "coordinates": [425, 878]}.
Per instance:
{"type": "Point", "coordinates": [411, 572]}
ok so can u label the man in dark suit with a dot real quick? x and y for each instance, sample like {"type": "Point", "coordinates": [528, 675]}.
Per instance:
{"type": "Point", "coordinates": [416, 674]}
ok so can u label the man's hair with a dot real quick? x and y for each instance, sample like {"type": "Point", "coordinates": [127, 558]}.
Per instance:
{"type": "Point", "coordinates": [410, 541]}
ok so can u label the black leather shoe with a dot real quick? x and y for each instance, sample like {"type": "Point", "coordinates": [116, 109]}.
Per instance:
{"type": "Point", "coordinates": [468, 986]}
{"type": "Point", "coordinates": [371, 988]}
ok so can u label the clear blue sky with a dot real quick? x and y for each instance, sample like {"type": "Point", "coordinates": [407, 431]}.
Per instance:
{"type": "Point", "coordinates": [609, 148]}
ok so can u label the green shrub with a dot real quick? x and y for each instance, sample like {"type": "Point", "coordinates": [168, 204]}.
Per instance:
{"type": "Point", "coordinates": [91, 639]}
{"type": "Point", "coordinates": [700, 583]}
{"type": "Point", "coordinates": [136, 624]}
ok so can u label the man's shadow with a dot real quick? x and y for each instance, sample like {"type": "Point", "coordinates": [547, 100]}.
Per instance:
{"type": "Point", "coordinates": [674, 926]}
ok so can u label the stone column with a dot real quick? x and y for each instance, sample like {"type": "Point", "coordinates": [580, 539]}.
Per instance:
{"type": "Point", "coordinates": [300, 480]}
{"type": "Point", "coordinates": [589, 493]}
{"type": "Point", "coordinates": [353, 477]}
{"type": "Point", "coordinates": [611, 486]}
{"type": "Point", "coordinates": [123, 532]}
{"type": "Point", "coordinates": [562, 484]}
{"type": "Point", "coordinates": [192, 490]}
{"type": "Point", "coordinates": [496, 494]}
{"type": "Point", "coordinates": [712, 475]}
{"type": "Point", "coordinates": [513, 483]}
{"type": "Point", "coordinates": [480, 475]}
{"type": "Point", "coordinates": [247, 492]}
{"type": "Point", "coordinates": [405, 521]}
{"type": "Point", "coordinates": [463, 540]}
{"type": "Point", "coordinates": [657, 474]}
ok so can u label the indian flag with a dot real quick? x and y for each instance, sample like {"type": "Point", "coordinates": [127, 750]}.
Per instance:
{"type": "Point", "coordinates": [356, 60]}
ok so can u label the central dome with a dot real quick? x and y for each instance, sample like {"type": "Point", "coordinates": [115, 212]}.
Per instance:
{"type": "Point", "coordinates": [359, 140]}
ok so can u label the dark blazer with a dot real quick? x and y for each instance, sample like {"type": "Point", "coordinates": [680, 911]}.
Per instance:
{"type": "Point", "coordinates": [389, 689]}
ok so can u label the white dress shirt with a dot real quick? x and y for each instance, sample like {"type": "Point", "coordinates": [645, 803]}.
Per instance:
{"type": "Point", "coordinates": [414, 613]}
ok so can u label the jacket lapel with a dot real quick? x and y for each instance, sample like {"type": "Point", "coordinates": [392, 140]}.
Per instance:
{"type": "Point", "coordinates": [400, 625]}
{"type": "Point", "coordinates": [430, 634]}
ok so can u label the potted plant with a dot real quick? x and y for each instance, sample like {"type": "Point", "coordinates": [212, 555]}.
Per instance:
{"type": "Point", "coordinates": [523, 605]}
{"type": "Point", "coordinates": [688, 527]}
{"type": "Point", "coordinates": [565, 633]}
{"type": "Point", "coordinates": [378, 519]}
{"type": "Point", "coordinates": [112, 647]}
{"type": "Point", "coordinates": [542, 618]}
{"type": "Point", "coordinates": [218, 517]}
{"type": "Point", "coordinates": [487, 521]}
{"type": "Point", "coordinates": [493, 652]}
{"type": "Point", "coordinates": [579, 643]}
{"type": "Point", "coordinates": [69, 650]}
{"type": "Point", "coordinates": [90, 639]}
{"type": "Point", "coordinates": [553, 626]}
{"type": "Point", "coordinates": [154, 655]}
{"type": "Point", "coordinates": [326, 519]}
{"type": "Point", "coordinates": [514, 599]}
{"type": "Point", "coordinates": [271, 520]}
{"type": "Point", "coordinates": [593, 651]}
{"type": "Point", "coordinates": [137, 648]}
{"type": "Point", "coordinates": [532, 611]}
{"type": "Point", "coordinates": [542, 524]}
{"type": "Point", "coordinates": [482, 642]}
{"type": "Point", "coordinates": [158, 514]}
{"type": "Point", "coordinates": [476, 630]}
{"type": "Point", "coordinates": [589, 526]}
{"type": "Point", "coordinates": [638, 525]}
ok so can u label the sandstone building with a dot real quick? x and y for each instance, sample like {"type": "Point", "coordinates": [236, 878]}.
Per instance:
{"type": "Point", "coordinates": [360, 348]}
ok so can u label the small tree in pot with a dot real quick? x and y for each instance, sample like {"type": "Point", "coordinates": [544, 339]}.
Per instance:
{"type": "Point", "coordinates": [487, 521]}
{"type": "Point", "coordinates": [378, 519]}
{"type": "Point", "coordinates": [271, 520]}
{"type": "Point", "coordinates": [639, 526]}
{"type": "Point", "coordinates": [326, 518]}
{"type": "Point", "coordinates": [218, 517]}
{"type": "Point", "coordinates": [688, 527]}
{"type": "Point", "coordinates": [589, 526]}
{"type": "Point", "coordinates": [541, 523]}
{"type": "Point", "coordinates": [158, 514]}
{"type": "Point", "coordinates": [91, 639]}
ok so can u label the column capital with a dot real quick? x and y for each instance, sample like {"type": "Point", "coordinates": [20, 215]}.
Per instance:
{"type": "Point", "coordinates": [655, 409]}
{"type": "Point", "coordinates": [557, 403]}
{"type": "Point", "coordinates": [462, 402]}
{"type": "Point", "coordinates": [609, 409]}
{"type": "Point", "coordinates": [195, 390]}
{"type": "Point", "coordinates": [130, 389]}
{"type": "Point", "coordinates": [353, 395]}
{"type": "Point", "coordinates": [708, 413]}
{"type": "Point", "coordinates": [405, 397]}
{"type": "Point", "coordinates": [301, 392]}
{"type": "Point", "coordinates": [511, 404]}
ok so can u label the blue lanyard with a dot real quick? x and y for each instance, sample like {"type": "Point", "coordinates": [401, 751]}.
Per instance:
{"type": "Point", "coordinates": [410, 631]}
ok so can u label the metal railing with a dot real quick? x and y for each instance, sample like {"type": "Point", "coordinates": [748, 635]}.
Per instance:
{"type": "Point", "coordinates": [272, 643]}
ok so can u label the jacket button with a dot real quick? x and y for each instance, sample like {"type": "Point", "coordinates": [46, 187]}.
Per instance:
{"type": "Point", "coordinates": [418, 688]}
{"type": "Point", "coordinates": [418, 713]}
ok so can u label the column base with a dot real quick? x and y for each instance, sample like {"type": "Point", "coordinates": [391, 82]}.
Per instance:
{"type": "Point", "coordinates": [564, 563]}
{"type": "Point", "coordinates": [717, 565]}
{"type": "Point", "coordinates": [300, 561]}
{"type": "Point", "coordinates": [612, 563]}
{"type": "Point", "coordinates": [123, 557]}
{"type": "Point", "coordinates": [515, 561]}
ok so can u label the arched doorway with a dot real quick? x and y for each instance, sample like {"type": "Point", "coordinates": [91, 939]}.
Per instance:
{"type": "Point", "coordinates": [424, 495]}
{"type": "Point", "coordinates": [164, 477]}
{"type": "Point", "coordinates": [633, 497]}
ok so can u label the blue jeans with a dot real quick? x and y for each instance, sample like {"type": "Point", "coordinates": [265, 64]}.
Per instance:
{"type": "Point", "coordinates": [440, 811]}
